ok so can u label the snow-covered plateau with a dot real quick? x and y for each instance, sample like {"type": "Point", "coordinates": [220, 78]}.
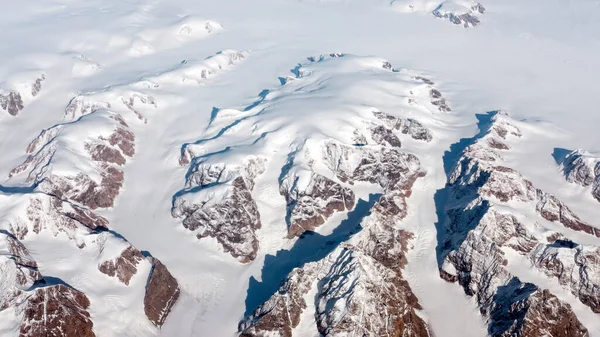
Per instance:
{"type": "Point", "coordinates": [300, 168]}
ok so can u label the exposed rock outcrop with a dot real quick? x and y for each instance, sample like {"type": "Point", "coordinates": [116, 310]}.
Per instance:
{"type": "Point", "coordinates": [44, 310]}
{"type": "Point", "coordinates": [480, 171]}
{"type": "Point", "coordinates": [437, 100]}
{"type": "Point", "coordinates": [347, 284]}
{"type": "Point", "coordinates": [581, 167]}
{"type": "Point", "coordinates": [132, 101]}
{"type": "Point", "coordinates": [124, 266]}
{"type": "Point", "coordinates": [56, 310]}
{"type": "Point", "coordinates": [18, 270]}
{"type": "Point", "coordinates": [316, 180]}
{"type": "Point", "coordinates": [522, 309]}
{"type": "Point", "coordinates": [47, 212]}
{"type": "Point", "coordinates": [223, 207]}
{"type": "Point", "coordinates": [309, 207]}
{"type": "Point", "coordinates": [99, 184]}
{"type": "Point", "coordinates": [407, 126]}
{"type": "Point", "coordinates": [12, 102]}
{"type": "Point", "coordinates": [459, 14]}
{"type": "Point", "coordinates": [162, 291]}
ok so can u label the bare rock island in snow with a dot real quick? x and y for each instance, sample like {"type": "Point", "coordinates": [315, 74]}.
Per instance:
{"type": "Point", "coordinates": [62, 202]}
{"type": "Point", "coordinates": [582, 168]}
{"type": "Point", "coordinates": [316, 175]}
{"type": "Point", "coordinates": [345, 290]}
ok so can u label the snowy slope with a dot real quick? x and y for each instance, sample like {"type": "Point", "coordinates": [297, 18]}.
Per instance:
{"type": "Point", "coordinates": [299, 168]}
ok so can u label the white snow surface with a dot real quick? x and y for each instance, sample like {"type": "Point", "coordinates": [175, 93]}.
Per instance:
{"type": "Point", "coordinates": [539, 60]}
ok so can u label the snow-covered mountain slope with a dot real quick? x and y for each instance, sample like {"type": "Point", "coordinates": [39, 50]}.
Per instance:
{"type": "Point", "coordinates": [460, 12]}
{"type": "Point", "coordinates": [19, 90]}
{"type": "Point", "coordinates": [299, 168]}
{"type": "Point", "coordinates": [72, 169]}
{"type": "Point", "coordinates": [583, 168]}
{"type": "Point", "coordinates": [320, 172]}
{"type": "Point", "coordinates": [492, 214]}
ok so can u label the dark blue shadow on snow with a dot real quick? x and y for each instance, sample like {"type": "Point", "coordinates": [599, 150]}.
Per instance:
{"type": "Point", "coordinates": [559, 155]}
{"type": "Point", "coordinates": [18, 189]}
{"type": "Point", "coordinates": [445, 239]}
{"type": "Point", "coordinates": [310, 247]}
{"type": "Point", "coordinates": [49, 281]}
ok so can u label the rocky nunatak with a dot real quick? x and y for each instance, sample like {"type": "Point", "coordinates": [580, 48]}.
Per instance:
{"type": "Point", "coordinates": [66, 204]}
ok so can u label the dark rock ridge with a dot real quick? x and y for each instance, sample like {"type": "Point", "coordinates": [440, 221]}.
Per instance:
{"type": "Point", "coordinates": [225, 210]}
{"type": "Point", "coordinates": [576, 267]}
{"type": "Point", "coordinates": [52, 214]}
{"type": "Point", "coordinates": [407, 126]}
{"type": "Point", "coordinates": [582, 168]}
{"type": "Point", "coordinates": [56, 310]}
{"type": "Point", "coordinates": [347, 283]}
{"type": "Point", "coordinates": [11, 102]}
{"type": "Point", "coordinates": [467, 17]}
{"type": "Point", "coordinates": [474, 236]}
{"type": "Point", "coordinates": [124, 266]}
{"type": "Point", "coordinates": [106, 156]}
{"type": "Point", "coordinates": [310, 204]}
{"type": "Point", "coordinates": [162, 291]}
{"type": "Point", "coordinates": [435, 96]}
{"type": "Point", "coordinates": [44, 309]}
{"type": "Point", "coordinates": [60, 202]}
{"type": "Point", "coordinates": [522, 309]}
{"type": "Point", "coordinates": [480, 170]}
{"type": "Point", "coordinates": [130, 100]}
{"type": "Point", "coordinates": [310, 207]}
{"type": "Point", "coordinates": [20, 271]}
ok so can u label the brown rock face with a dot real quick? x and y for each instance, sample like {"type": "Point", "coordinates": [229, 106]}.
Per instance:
{"type": "Point", "coordinates": [438, 100]}
{"type": "Point", "coordinates": [106, 156]}
{"type": "Point", "coordinates": [359, 287]}
{"type": "Point", "coordinates": [18, 271]}
{"type": "Point", "coordinates": [281, 313]}
{"type": "Point", "coordinates": [310, 208]}
{"type": "Point", "coordinates": [526, 310]}
{"type": "Point", "coordinates": [88, 192]}
{"type": "Point", "coordinates": [45, 212]}
{"type": "Point", "coordinates": [384, 136]}
{"type": "Point", "coordinates": [56, 311]}
{"type": "Point", "coordinates": [581, 167]}
{"type": "Point", "coordinates": [162, 291]}
{"type": "Point", "coordinates": [37, 85]}
{"type": "Point", "coordinates": [477, 236]}
{"type": "Point", "coordinates": [552, 209]}
{"type": "Point", "coordinates": [11, 103]}
{"type": "Point", "coordinates": [575, 266]}
{"type": "Point", "coordinates": [124, 266]}
{"type": "Point", "coordinates": [26, 267]}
